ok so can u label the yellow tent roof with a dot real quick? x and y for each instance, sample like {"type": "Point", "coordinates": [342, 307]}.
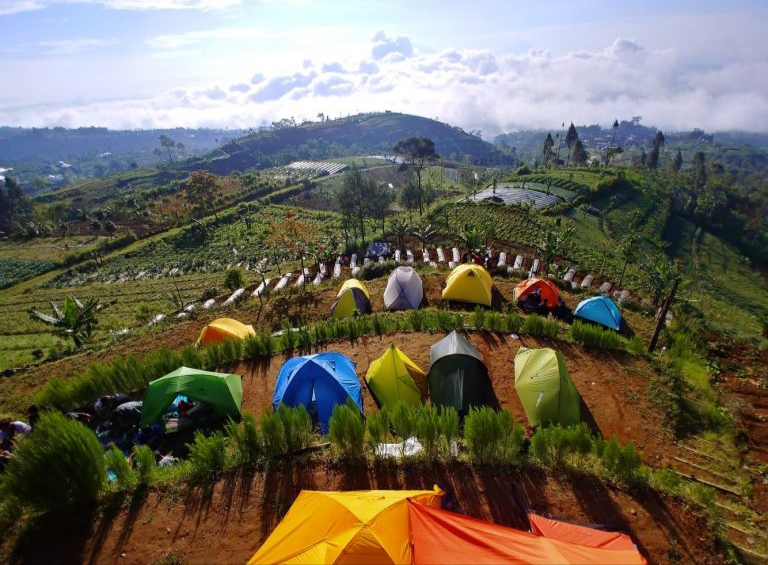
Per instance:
{"type": "Point", "coordinates": [358, 527]}
{"type": "Point", "coordinates": [392, 377]}
{"type": "Point", "coordinates": [469, 283]}
{"type": "Point", "coordinates": [353, 283]}
{"type": "Point", "coordinates": [224, 328]}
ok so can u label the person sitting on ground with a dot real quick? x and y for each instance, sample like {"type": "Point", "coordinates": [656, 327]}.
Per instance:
{"type": "Point", "coordinates": [104, 406]}
{"type": "Point", "coordinates": [150, 435]}
{"type": "Point", "coordinates": [33, 413]}
{"type": "Point", "coordinates": [82, 417]}
{"type": "Point", "coordinates": [8, 431]}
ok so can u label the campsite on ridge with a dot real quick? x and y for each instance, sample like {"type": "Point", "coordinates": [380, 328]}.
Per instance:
{"type": "Point", "coordinates": [580, 342]}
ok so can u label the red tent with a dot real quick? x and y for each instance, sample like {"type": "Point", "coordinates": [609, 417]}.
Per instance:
{"type": "Point", "coordinates": [581, 535]}
{"type": "Point", "coordinates": [547, 290]}
{"type": "Point", "coordinates": [441, 537]}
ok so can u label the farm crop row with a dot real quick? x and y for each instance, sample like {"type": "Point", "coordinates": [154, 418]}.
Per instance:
{"type": "Point", "coordinates": [508, 223]}
{"type": "Point", "coordinates": [13, 271]}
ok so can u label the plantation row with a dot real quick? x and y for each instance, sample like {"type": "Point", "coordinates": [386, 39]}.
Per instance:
{"type": "Point", "coordinates": [13, 271]}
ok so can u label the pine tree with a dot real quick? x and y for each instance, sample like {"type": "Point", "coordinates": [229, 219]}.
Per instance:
{"type": "Point", "coordinates": [570, 140]}
{"type": "Point", "coordinates": [549, 145]}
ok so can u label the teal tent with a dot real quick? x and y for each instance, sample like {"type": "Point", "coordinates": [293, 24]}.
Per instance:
{"type": "Point", "coordinates": [545, 388]}
{"type": "Point", "coordinates": [222, 391]}
{"type": "Point", "coordinates": [600, 310]}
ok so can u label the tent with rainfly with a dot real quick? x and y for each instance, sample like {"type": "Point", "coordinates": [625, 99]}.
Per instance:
{"type": "Point", "coordinates": [352, 297]}
{"type": "Point", "coordinates": [545, 388]}
{"type": "Point", "coordinates": [404, 290]}
{"type": "Point", "coordinates": [356, 527]}
{"type": "Point", "coordinates": [439, 536]}
{"type": "Point", "coordinates": [600, 310]}
{"type": "Point", "coordinates": [546, 288]}
{"type": "Point", "coordinates": [222, 391]}
{"type": "Point", "coordinates": [224, 328]}
{"type": "Point", "coordinates": [579, 534]}
{"type": "Point", "coordinates": [326, 378]}
{"type": "Point", "coordinates": [469, 283]}
{"type": "Point", "coordinates": [457, 375]}
{"type": "Point", "coordinates": [391, 379]}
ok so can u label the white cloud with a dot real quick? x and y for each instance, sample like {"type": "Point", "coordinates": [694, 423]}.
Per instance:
{"type": "Point", "coordinates": [484, 89]}
{"type": "Point", "coordinates": [384, 47]}
{"type": "Point", "coordinates": [69, 46]}
{"type": "Point", "coordinates": [10, 7]}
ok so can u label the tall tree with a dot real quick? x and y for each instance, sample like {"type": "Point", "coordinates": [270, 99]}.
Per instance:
{"type": "Point", "coordinates": [611, 149]}
{"type": "Point", "coordinates": [201, 188]}
{"type": "Point", "coordinates": [677, 162]}
{"type": "Point", "coordinates": [355, 197]}
{"type": "Point", "coordinates": [417, 153]}
{"type": "Point", "coordinates": [570, 141]}
{"type": "Point", "coordinates": [580, 155]}
{"type": "Point", "coordinates": [169, 144]}
{"type": "Point", "coordinates": [548, 151]}
{"type": "Point", "coordinates": [653, 156]}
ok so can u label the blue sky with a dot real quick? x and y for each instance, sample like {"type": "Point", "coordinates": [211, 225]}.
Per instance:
{"type": "Point", "coordinates": [493, 65]}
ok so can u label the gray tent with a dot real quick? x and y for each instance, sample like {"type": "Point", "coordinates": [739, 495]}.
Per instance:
{"type": "Point", "coordinates": [457, 375]}
{"type": "Point", "coordinates": [404, 290]}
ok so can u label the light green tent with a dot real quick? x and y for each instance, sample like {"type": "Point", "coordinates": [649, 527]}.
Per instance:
{"type": "Point", "coordinates": [545, 388]}
{"type": "Point", "coordinates": [222, 391]}
{"type": "Point", "coordinates": [391, 378]}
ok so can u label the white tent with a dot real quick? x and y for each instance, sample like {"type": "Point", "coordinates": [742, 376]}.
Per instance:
{"type": "Point", "coordinates": [404, 289]}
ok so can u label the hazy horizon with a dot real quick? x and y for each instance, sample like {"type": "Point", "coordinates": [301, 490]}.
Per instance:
{"type": "Point", "coordinates": [489, 65]}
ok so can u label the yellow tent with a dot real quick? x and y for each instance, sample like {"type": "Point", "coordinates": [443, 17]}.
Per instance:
{"type": "Point", "coordinates": [224, 328]}
{"type": "Point", "coordinates": [469, 283]}
{"type": "Point", "coordinates": [392, 377]}
{"type": "Point", "coordinates": [360, 527]}
{"type": "Point", "coordinates": [353, 296]}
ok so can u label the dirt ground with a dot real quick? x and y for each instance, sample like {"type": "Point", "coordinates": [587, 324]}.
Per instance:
{"type": "Point", "coordinates": [228, 524]}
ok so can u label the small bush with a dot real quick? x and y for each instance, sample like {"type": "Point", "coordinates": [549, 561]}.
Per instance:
{"type": "Point", "coordinates": [416, 319]}
{"type": "Point", "coordinates": [511, 438]}
{"type": "Point", "coordinates": [378, 324]}
{"type": "Point", "coordinates": [231, 351]}
{"type": "Point", "coordinates": [144, 463]}
{"type": "Point", "coordinates": [445, 320]}
{"type": "Point", "coordinates": [304, 339]}
{"type": "Point", "coordinates": [427, 428]}
{"type": "Point", "coordinates": [117, 462]}
{"type": "Point", "coordinates": [666, 480]}
{"type": "Point", "coordinates": [233, 279]}
{"type": "Point", "coordinates": [378, 428]}
{"type": "Point", "coordinates": [543, 327]}
{"type": "Point", "coordinates": [402, 419]}
{"type": "Point", "coordinates": [190, 357]}
{"type": "Point", "coordinates": [252, 348]}
{"type": "Point", "coordinates": [289, 338]}
{"type": "Point", "coordinates": [512, 321]}
{"type": "Point", "coordinates": [58, 468]}
{"type": "Point", "coordinates": [478, 318]}
{"type": "Point", "coordinates": [273, 433]}
{"type": "Point", "coordinates": [246, 438]}
{"type": "Point", "coordinates": [635, 345]}
{"type": "Point", "coordinates": [320, 332]}
{"type": "Point", "coordinates": [207, 456]}
{"type": "Point", "coordinates": [620, 462]}
{"type": "Point", "coordinates": [448, 425]}
{"type": "Point", "coordinates": [482, 432]}
{"type": "Point", "coordinates": [297, 426]}
{"type": "Point", "coordinates": [347, 430]}
{"type": "Point", "coordinates": [214, 356]}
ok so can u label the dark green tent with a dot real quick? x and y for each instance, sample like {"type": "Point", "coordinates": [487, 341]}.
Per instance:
{"type": "Point", "coordinates": [222, 391]}
{"type": "Point", "coordinates": [545, 388]}
{"type": "Point", "coordinates": [457, 375]}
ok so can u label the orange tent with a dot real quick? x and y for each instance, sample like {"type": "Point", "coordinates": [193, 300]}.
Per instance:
{"type": "Point", "coordinates": [441, 537]}
{"type": "Point", "coordinates": [581, 535]}
{"type": "Point", "coordinates": [546, 287]}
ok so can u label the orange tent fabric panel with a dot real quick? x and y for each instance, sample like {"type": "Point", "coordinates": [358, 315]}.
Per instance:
{"type": "Point", "coordinates": [581, 535]}
{"type": "Point", "coordinates": [547, 289]}
{"type": "Point", "coordinates": [441, 537]}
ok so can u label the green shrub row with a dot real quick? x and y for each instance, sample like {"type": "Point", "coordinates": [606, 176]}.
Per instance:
{"type": "Point", "coordinates": [590, 335]}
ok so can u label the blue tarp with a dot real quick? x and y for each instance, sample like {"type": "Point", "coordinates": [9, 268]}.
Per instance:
{"type": "Point", "coordinates": [327, 378]}
{"type": "Point", "coordinates": [601, 310]}
{"type": "Point", "coordinates": [378, 249]}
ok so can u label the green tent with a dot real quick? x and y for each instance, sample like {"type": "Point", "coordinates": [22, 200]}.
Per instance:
{"type": "Point", "coordinates": [391, 378]}
{"type": "Point", "coordinates": [222, 391]}
{"type": "Point", "coordinates": [545, 388]}
{"type": "Point", "coordinates": [457, 375]}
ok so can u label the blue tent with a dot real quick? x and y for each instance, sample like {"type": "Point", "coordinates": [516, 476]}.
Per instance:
{"type": "Point", "coordinates": [601, 310]}
{"type": "Point", "coordinates": [327, 378]}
